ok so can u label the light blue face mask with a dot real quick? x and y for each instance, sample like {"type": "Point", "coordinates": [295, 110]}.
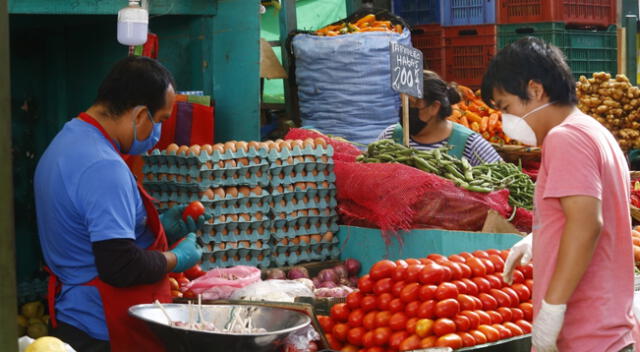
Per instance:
{"type": "Point", "coordinates": [140, 147]}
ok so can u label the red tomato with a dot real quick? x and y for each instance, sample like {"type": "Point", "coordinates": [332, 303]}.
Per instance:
{"type": "Point", "coordinates": [432, 274]}
{"type": "Point", "coordinates": [523, 292]}
{"type": "Point", "coordinates": [465, 255]}
{"type": "Point", "coordinates": [450, 340]}
{"type": "Point", "coordinates": [462, 287]}
{"type": "Point", "coordinates": [368, 303]}
{"type": "Point", "coordinates": [349, 348]}
{"type": "Point", "coordinates": [194, 272]}
{"type": "Point", "coordinates": [466, 302]}
{"type": "Point", "coordinates": [173, 283]}
{"type": "Point", "coordinates": [382, 269]}
{"type": "Point", "coordinates": [411, 325]}
{"type": "Point", "coordinates": [518, 314]}
{"type": "Point", "coordinates": [480, 337]}
{"type": "Point", "coordinates": [334, 344]}
{"type": "Point", "coordinates": [477, 267]}
{"type": "Point", "coordinates": [474, 318]}
{"type": "Point", "coordinates": [383, 301]}
{"type": "Point", "coordinates": [527, 309]}
{"type": "Point", "coordinates": [477, 301]}
{"type": "Point", "coordinates": [425, 261]}
{"type": "Point", "coordinates": [410, 343]}
{"type": "Point", "coordinates": [427, 292]}
{"type": "Point", "coordinates": [340, 312]}
{"type": "Point", "coordinates": [365, 284]}
{"type": "Point", "coordinates": [463, 323]}
{"type": "Point", "coordinates": [481, 254]}
{"type": "Point", "coordinates": [515, 329]}
{"type": "Point", "coordinates": [396, 305]}
{"type": "Point", "coordinates": [488, 302]}
{"type": "Point", "coordinates": [504, 254]}
{"type": "Point", "coordinates": [428, 342]}
{"type": "Point", "coordinates": [381, 335]}
{"type": "Point", "coordinates": [436, 256]}
{"type": "Point", "coordinates": [448, 273]}
{"type": "Point", "coordinates": [340, 331]}
{"type": "Point", "coordinates": [410, 292]}
{"type": "Point", "coordinates": [354, 336]}
{"type": "Point", "coordinates": [492, 251]}
{"type": "Point", "coordinates": [412, 261]}
{"type": "Point", "coordinates": [496, 318]}
{"type": "Point", "coordinates": [498, 262]}
{"type": "Point", "coordinates": [383, 285]}
{"type": "Point", "coordinates": [456, 258]}
{"type": "Point", "coordinates": [495, 281]}
{"type": "Point", "coordinates": [485, 318]}
{"type": "Point", "coordinates": [507, 314]}
{"type": "Point", "coordinates": [193, 210]}
{"type": "Point", "coordinates": [396, 339]}
{"type": "Point", "coordinates": [472, 287]}
{"type": "Point", "coordinates": [504, 332]}
{"type": "Point", "coordinates": [488, 264]}
{"type": "Point", "coordinates": [424, 327]}
{"type": "Point", "coordinates": [426, 310]}
{"type": "Point", "coordinates": [326, 323]}
{"type": "Point", "coordinates": [375, 349]}
{"type": "Point", "coordinates": [398, 321]}
{"type": "Point", "coordinates": [483, 284]}
{"type": "Point", "coordinates": [456, 270]}
{"type": "Point", "coordinates": [467, 339]}
{"type": "Point", "coordinates": [355, 318]}
{"type": "Point", "coordinates": [465, 270]}
{"type": "Point", "coordinates": [518, 277]}
{"type": "Point", "coordinates": [529, 284]}
{"type": "Point", "coordinates": [515, 299]}
{"type": "Point", "coordinates": [447, 308]}
{"type": "Point", "coordinates": [413, 273]}
{"type": "Point", "coordinates": [525, 326]}
{"type": "Point", "coordinates": [369, 320]}
{"type": "Point", "coordinates": [411, 309]}
{"type": "Point", "coordinates": [527, 271]}
{"type": "Point", "coordinates": [401, 263]}
{"type": "Point", "coordinates": [354, 299]}
{"type": "Point", "coordinates": [399, 273]}
{"type": "Point", "coordinates": [503, 299]}
{"type": "Point", "coordinates": [189, 294]}
{"type": "Point", "coordinates": [397, 288]}
{"type": "Point", "coordinates": [444, 326]}
{"type": "Point", "coordinates": [446, 290]}
{"type": "Point", "coordinates": [382, 319]}
{"type": "Point", "coordinates": [490, 332]}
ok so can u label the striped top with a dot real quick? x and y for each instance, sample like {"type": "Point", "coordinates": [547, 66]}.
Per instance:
{"type": "Point", "coordinates": [477, 150]}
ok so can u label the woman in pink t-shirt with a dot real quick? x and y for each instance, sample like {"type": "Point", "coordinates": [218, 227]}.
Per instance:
{"type": "Point", "coordinates": [582, 250]}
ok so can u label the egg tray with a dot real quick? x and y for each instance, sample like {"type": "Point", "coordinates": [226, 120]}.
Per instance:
{"type": "Point", "coordinates": [232, 257]}
{"type": "Point", "coordinates": [278, 248]}
{"type": "Point", "coordinates": [292, 220]}
{"type": "Point", "coordinates": [291, 232]}
{"type": "Point", "coordinates": [231, 225]}
{"type": "Point", "coordinates": [290, 258]}
{"type": "Point", "coordinates": [172, 186]}
{"type": "Point", "coordinates": [246, 207]}
{"type": "Point", "coordinates": [284, 154]}
{"type": "Point", "coordinates": [178, 197]}
{"type": "Point", "coordinates": [308, 165]}
{"type": "Point", "coordinates": [205, 171]}
{"type": "Point", "coordinates": [301, 205]}
{"type": "Point", "coordinates": [158, 157]}
{"type": "Point", "coordinates": [284, 179]}
{"type": "Point", "coordinates": [235, 236]}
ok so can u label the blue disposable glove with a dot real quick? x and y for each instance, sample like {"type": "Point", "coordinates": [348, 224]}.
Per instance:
{"type": "Point", "coordinates": [175, 228]}
{"type": "Point", "coordinates": [187, 252]}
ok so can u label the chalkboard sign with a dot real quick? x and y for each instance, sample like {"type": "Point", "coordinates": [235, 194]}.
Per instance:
{"type": "Point", "coordinates": [406, 70]}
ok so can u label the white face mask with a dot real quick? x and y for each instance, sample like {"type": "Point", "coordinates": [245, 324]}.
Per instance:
{"type": "Point", "coordinates": [517, 128]}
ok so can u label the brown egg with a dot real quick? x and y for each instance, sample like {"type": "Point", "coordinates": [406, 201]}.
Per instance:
{"type": "Point", "coordinates": [290, 160]}
{"type": "Point", "coordinates": [222, 218]}
{"type": "Point", "coordinates": [195, 150]}
{"type": "Point", "coordinates": [282, 215]}
{"type": "Point", "coordinates": [235, 176]}
{"type": "Point", "coordinates": [259, 173]}
{"type": "Point", "coordinates": [188, 178]}
{"type": "Point", "coordinates": [316, 199]}
{"type": "Point", "coordinates": [245, 217]}
{"type": "Point", "coordinates": [230, 146]}
{"type": "Point", "coordinates": [324, 184]}
{"type": "Point", "coordinates": [296, 240]}
{"type": "Point", "coordinates": [294, 200]}
{"type": "Point", "coordinates": [150, 177]}
{"type": "Point", "coordinates": [253, 145]}
{"type": "Point", "coordinates": [249, 231]}
{"type": "Point", "coordinates": [218, 147]}
{"type": "Point", "coordinates": [279, 140]}
{"type": "Point", "coordinates": [327, 237]}
{"type": "Point", "coordinates": [209, 164]}
{"type": "Point", "coordinates": [245, 244]}
{"type": "Point", "coordinates": [303, 212]}
{"type": "Point", "coordinates": [298, 252]}
{"type": "Point", "coordinates": [293, 214]}
{"type": "Point", "coordinates": [290, 188]}
{"type": "Point", "coordinates": [172, 148]}
{"type": "Point", "coordinates": [222, 245]}
{"type": "Point", "coordinates": [305, 199]}
{"type": "Point", "coordinates": [314, 212]}
{"type": "Point", "coordinates": [230, 163]}
{"type": "Point", "coordinates": [314, 172]}
{"type": "Point", "coordinates": [261, 230]}
{"type": "Point", "coordinates": [236, 232]}
{"type": "Point", "coordinates": [312, 185]}
{"type": "Point", "coordinates": [259, 244]}
{"type": "Point", "coordinates": [233, 217]}
{"type": "Point", "coordinates": [243, 161]}
{"type": "Point", "coordinates": [232, 244]}
{"type": "Point", "coordinates": [260, 257]}
{"type": "Point", "coordinates": [242, 146]}
{"type": "Point", "coordinates": [211, 221]}
{"type": "Point", "coordinates": [303, 173]}
{"type": "Point", "coordinates": [284, 241]}
{"type": "Point", "coordinates": [283, 203]}
{"type": "Point", "coordinates": [307, 226]}
{"type": "Point", "coordinates": [301, 185]}
{"type": "Point", "coordinates": [244, 190]}
{"type": "Point", "coordinates": [285, 145]}
{"type": "Point", "coordinates": [212, 259]}
{"type": "Point", "coordinates": [297, 143]}
{"type": "Point", "coordinates": [257, 190]}
{"type": "Point", "coordinates": [208, 194]}
{"type": "Point", "coordinates": [257, 160]}
{"type": "Point", "coordinates": [270, 145]}
{"type": "Point", "coordinates": [311, 158]}
{"type": "Point", "coordinates": [183, 150]}
{"type": "Point", "coordinates": [224, 232]}
{"type": "Point", "coordinates": [207, 148]}
{"type": "Point", "coordinates": [279, 189]}
{"type": "Point", "coordinates": [321, 142]}
{"type": "Point", "coordinates": [324, 159]}
{"type": "Point", "coordinates": [298, 159]}
{"type": "Point", "coordinates": [219, 192]}
{"type": "Point", "coordinates": [309, 142]}
{"type": "Point", "coordinates": [316, 238]}
{"type": "Point", "coordinates": [221, 164]}
{"type": "Point", "coordinates": [305, 239]}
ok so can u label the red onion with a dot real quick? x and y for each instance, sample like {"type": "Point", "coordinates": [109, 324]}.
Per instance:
{"type": "Point", "coordinates": [353, 281]}
{"type": "Point", "coordinates": [353, 266]}
{"type": "Point", "coordinates": [341, 271]}
{"type": "Point", "coordinates": [275, 274]}
{"type": "Point", "coordinates": [298, 272]}
{"type": "Point", "coordinates": [328, 284]}
{"type": "Point", "coordinates": [328, 275]}
{"type": "Point", "coordinates": [316, 282]}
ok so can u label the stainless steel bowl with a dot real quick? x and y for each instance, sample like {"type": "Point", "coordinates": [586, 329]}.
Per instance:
{"type": "Point", "coordinates": [278, 323]}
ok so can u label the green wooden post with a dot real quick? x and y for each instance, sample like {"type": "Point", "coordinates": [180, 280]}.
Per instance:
{"type": "Point", "coordinates": [631, 24]}
{"type": "Point", "coordinates": [236, 70]}
{"type": "Point", "coordinates": [352, 6]}
{"type": "Point", "coordinates": [288, 23]}
{"type": "Point", "coordinates": [8, 309]}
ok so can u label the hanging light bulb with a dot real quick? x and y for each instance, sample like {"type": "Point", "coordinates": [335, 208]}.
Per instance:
{"type": "Point", "coordinates": [133, 24]}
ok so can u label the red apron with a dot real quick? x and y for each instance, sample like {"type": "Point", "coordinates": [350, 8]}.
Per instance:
{"type": "Point", "coordinates": [125, 332]}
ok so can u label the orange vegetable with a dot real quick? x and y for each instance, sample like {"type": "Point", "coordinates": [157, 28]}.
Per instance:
{"type": "Point", "coordinates": [398, 28]}
{"type": "Point", "coordinates": [473, 117]}
{"type": "Point", "coordinates": [484, 123]}
{"type": "Point", "coordinates": [368, 18]}
{"type": "Point", "coordinates": [475, 126]}
{"type": "Point", "coordinates": [382, 24]}
{"type": "Point", "coordinates": [465, 122]}
{"type": "Point", "coordinates": [493, 122]}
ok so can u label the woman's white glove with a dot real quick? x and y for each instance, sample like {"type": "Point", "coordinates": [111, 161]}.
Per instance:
{"type": "Point", "coordinates": [520, 254]}
{"type": "Point", "coordinates": [547, 326]}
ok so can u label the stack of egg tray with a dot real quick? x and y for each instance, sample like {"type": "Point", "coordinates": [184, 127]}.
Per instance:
{"type": "Point", "coordinates": [304, 204]}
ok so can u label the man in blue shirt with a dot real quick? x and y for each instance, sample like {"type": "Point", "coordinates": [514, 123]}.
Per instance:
{"type": "Point", "coordinates": [98, 231]}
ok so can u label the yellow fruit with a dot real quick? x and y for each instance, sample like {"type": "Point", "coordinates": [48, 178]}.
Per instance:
{"type": "Point", "coordinates": [33, 310]}
{"type": "Point", "coordinates": [22, 321]}
{"type": "Point", "coordinates": [37, 330]}
{"type": "Point", "coordinates": [46, 344]}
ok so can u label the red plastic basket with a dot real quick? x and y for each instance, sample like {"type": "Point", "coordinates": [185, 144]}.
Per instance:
{"type": "Point", "coordinates": [468, 50]}
{"type": "Point", "coordinates": [600, 13]}
{"type": "Point", "coordinates": [429, 39]}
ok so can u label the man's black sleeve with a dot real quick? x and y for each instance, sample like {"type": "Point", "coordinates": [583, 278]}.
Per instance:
{"type": "Point", "coordinates": [121, 263]}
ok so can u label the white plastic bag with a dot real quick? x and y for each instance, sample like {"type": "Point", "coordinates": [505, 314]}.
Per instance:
{"type": "Point", "coordinates": [274, 291]}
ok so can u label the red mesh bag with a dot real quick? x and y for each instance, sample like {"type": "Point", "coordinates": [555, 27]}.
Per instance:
{"type": "Point", "coordinates": [342, 151]}
{"type": "Point", "coordinates": [523, 220]}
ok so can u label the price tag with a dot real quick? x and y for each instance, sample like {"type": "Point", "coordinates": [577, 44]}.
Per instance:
{"type": "Point", "coordinates": [406, 70]}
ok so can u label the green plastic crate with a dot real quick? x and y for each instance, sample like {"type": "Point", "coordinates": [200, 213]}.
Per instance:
{"type": "Point", "coordinates": [587, 51]}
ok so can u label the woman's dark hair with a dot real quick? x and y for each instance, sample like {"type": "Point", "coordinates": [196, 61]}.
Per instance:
{"type": "Point", "coordinates": [435, 88]}
{"type": "Point", "coordinates": [530, 59]}
{"type": "Point", "coordinates": [134, 81]}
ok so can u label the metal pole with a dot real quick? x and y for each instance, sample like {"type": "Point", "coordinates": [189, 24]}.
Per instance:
{"type": "Point", "coordinates": [631, 26]}
{"type": "Point", "coordinates": [288, 23]}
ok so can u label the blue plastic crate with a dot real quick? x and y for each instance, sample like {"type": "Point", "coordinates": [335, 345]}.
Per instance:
{"type": "Point", "coordinates": [417, 12]}
{"type": "Point", "coordinates": [468, 12]}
